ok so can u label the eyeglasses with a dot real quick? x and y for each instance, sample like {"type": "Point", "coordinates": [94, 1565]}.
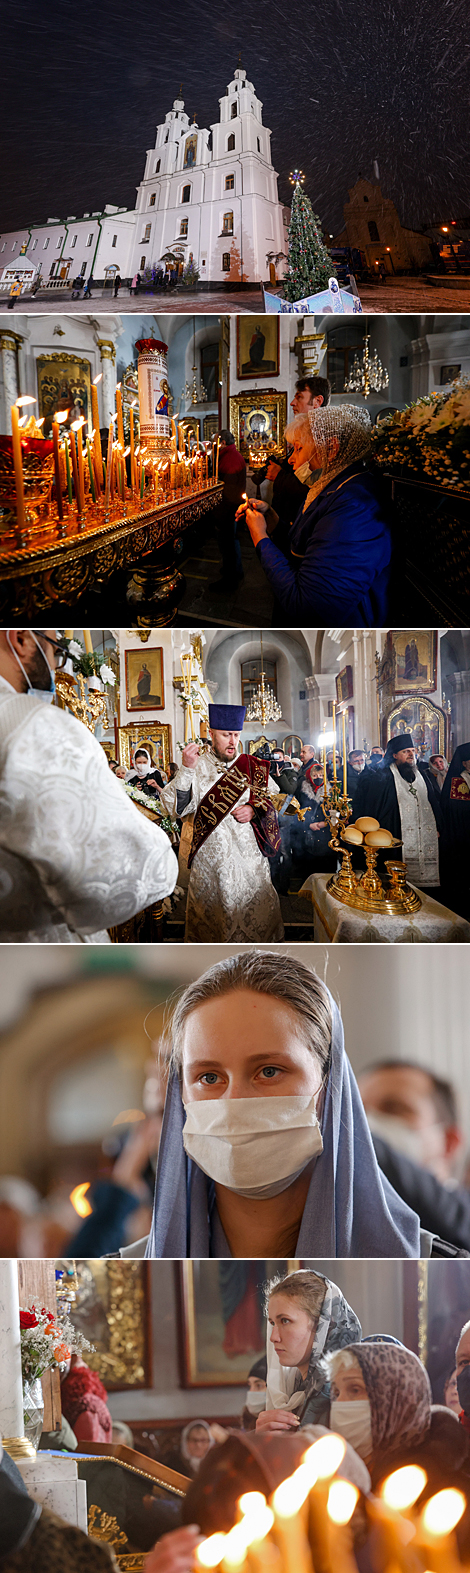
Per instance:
{"type": "Point", "coordinates": [61, 653]}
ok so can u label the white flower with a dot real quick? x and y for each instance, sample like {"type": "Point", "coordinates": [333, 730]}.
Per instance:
{"type": "Point", "coordinates": [107, 676]}
{"type": "Point", "coordinates": [75, 648]}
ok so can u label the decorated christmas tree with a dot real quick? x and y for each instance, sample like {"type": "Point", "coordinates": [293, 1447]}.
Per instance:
{"type": "Point", "coordinates": [309, 263]}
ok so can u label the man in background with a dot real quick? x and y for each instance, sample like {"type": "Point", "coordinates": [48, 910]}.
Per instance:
{"type": "Point", "coordinates": [288, 489]}
{"type": "Point", "coordinates": [412, 1115]}
{"type": "Point", "coordinates": [232, 471]}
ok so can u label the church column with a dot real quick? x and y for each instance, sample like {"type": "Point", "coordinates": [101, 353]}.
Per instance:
{"type": "Point", "coordinates": [11, 1384]}
{"type": "Point", "coordinates": [461, 707]}
{"type": "Point", "coordinates": [108, 386]}
{"type": "Point", "coordinates": [9, 344]}
{"type": "Point", "coordinates": [314, 727]}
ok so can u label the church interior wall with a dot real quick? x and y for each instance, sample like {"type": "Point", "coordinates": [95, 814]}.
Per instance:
{"type": "Point", "coordinates": [160, 638]}
{"type": "Point", "coordinates": [288, 371]}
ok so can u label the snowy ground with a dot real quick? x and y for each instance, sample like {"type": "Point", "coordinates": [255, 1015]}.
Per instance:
{"type": "Point", "coordinates": [395, 296]}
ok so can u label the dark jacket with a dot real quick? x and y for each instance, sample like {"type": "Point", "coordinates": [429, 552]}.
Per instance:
{"type": "Point", "coordinates": [340, 552]}
{"type": "Point", "coordinates": [441, 1211]}
{"type": "Point", "coordinates": [232, 471]}
{"type": "Point", "coordinates": [288, 494]}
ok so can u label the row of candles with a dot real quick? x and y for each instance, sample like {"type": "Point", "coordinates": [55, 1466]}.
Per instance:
{"type": "Point", "coordinates": [323, 743]}
{"type": "Point", "coordinates": [310, 1513]}
{"type": "Point", "coordinates": [84, 471]}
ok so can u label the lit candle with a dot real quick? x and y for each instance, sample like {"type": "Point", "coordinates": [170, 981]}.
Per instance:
{"type": "Point", "coordinates": [18, 468]}
{"type": "Point", "coordinates": [120, 423]}
{"type": "Point", "coordinates": [58, 484]}
{"type": "Point", "coordinates": [90, 468]}
{"type": "Point", "coordinates": [87, 640]}
{"type": "Point", "coordinates": [325, 782]}
{"type": "Point", "coordinates": [131, 419]}
{"type": "Point", "coordinates": [334, 741]}
{"type": "Point", "coordinates": [345, 763]}
{"type": "Point", "coordinates": [67, 468]}
{"type": "Point", "coordinates": [96, 430]}
{"type": "Point", "coordinates": [109, 462]}
{"type": "Point", "coordinates": [77, 426]}
{"type": "Point", "coordinates": [75, 470]}
{"type": "Point", "coordinates": [217, 461]}
{"type": "Point", "coordinates": [142, 482]}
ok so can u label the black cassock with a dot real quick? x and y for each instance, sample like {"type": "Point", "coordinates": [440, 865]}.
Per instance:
{"type": "Point", "coordinates": [376, 796]}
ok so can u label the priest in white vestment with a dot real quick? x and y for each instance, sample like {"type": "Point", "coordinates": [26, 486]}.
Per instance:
{"type": "Point", "coordinates": [76, 856]}
{"type": "Point", "coordinates": [231, 895]}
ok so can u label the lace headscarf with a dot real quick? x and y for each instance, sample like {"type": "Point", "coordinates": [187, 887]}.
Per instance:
{"type": "Point", "coordinates": [350, 425]}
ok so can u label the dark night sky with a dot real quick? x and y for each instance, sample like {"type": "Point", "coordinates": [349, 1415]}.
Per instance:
{"type": "Point", "coordinates": [341, 84]}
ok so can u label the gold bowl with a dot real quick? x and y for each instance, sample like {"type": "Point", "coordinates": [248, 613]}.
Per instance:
{"type": "Point", "coordinates": [38, 473]}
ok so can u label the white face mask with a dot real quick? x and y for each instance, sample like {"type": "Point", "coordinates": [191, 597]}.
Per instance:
{"type": "Point", "coordinates": [142, 768]}
{"type": "Point", "coordinates": [46, 694]}
{"type": "Point", "coordinates": [256, 1401]}
{"type": "Point", "coordinates": [303, 473]}
{"type": "Point", "coordinates": [404, 1140]}
{"type": "Point", "coordinates": [352, 1419]}
{"type": "Point", "coordinates": [235, 1140]}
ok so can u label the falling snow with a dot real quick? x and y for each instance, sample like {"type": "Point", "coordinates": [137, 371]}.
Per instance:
{"type": "Point", "coordinates": [342, 85]}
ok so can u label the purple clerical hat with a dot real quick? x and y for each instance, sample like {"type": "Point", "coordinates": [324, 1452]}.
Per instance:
{"type": "Point", "coordinates": [227, 718]}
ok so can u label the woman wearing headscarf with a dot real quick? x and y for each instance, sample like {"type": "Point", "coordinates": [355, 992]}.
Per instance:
{"type": "Point", "coordinates": [144, 774]}
{"type": "Point", "coordinates": [455, 805]}
{"type": "Point", "coordinates": [308, 1319]}
{"type": "Point", "coordinates": [381, 1403]}
{"type": "Point", "coordinates": [265, 1148]}
{"type": "Point", "coordinates": [195, 1441]}
{"type": "Point", "coordinates": [340, 544]}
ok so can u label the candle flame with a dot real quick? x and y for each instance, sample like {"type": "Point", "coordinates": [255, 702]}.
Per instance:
{"type": "Point", "coordinates": [76, 425]}
{"type": "Point", "coordinates": [25, 398]}
{"type": "Point", "coordinates": [97, 379]}
{"type": "Point", "coordinates": [292, 1493]}
{"type": "Point", "coordinates": [41, 422]}
{"type": "Point", "coordinates": [60, 415]}
{"type": "Point", "coordinates": [128, 1117]}
{"type": "Point", "coordinates": [443, 1511]}
{"type": "Point", "coordinates": [126, 451]}
{"type": "Point", "coordinates": [325, 1456]}
{"type": "Point", "coordinates": [210, 1553]}
{"type": "Point", "coordinates": [342, 1498]}
{"type": "Point", "coordinates": [403, 1488]}
{"type": "Point", "coordinates": [23, 420]}
{"type": "Point", "coordinates": [79, 1200]}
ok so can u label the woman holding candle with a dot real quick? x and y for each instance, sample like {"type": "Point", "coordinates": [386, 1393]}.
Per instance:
{"type": "Point", "coordinates": [340, 544]}
{"type": "Point", "coordinates": [266, 1151]}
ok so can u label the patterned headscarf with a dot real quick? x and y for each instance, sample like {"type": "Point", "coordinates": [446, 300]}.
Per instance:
{"type": "Point", "coordinates": [337, 1326]}
{"type": "Point", "coordinates": [348, 424]}
{"type": "Point", "coordinates": [399, 1393]}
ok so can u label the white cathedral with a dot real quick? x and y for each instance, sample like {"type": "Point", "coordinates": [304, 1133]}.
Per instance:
{"type": "Point", "coordinates": [207, 194]}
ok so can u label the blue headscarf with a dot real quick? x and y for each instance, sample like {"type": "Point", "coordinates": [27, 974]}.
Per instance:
{"type": "Point", "coordinates": [351, 1209]}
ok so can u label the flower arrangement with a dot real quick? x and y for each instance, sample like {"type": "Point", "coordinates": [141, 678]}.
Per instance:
{"type": "Point", "coordinates": [166, 823]}
{"type": "Point", "coordinates": [91, 664]}
{"type": "Point", "coordinates": [430, 438]}
{"type": "Point", "coordinates": [47, 1341]}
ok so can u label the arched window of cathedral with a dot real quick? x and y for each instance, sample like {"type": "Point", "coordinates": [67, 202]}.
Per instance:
{"type": "Point", "coordinates": [227, 226]}
{"type": "Point", "coordinates": [258, 144]}
{"type": "Point", "coordinates": [186, 194]}
{"type": "Point", "coordinates": [157, 166]}
{"type": "Point", "coordinates": [229, 182]}
{"type": "Point", "coordinates": [234, 111]}
{"type": "Point", "coordinates": [231, 144]}
{"type": "Point", "coordinates": [152, 200]}
{"type": "Point", "coordinates": [373, 231]}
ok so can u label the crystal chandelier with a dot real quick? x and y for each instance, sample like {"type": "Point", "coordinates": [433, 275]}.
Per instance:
{"type": "Point", "coordinates": [367, 373]}
{"type": "Point", "coordinates": [263, 706]}
{"type": "Point", "coordinates": [195, 392]}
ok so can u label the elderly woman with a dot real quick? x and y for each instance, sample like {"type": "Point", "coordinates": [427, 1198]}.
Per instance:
{"type": "Point", "coordinates": [340, 544]}
{"type": "Point", "coordinates": [265, 1148]}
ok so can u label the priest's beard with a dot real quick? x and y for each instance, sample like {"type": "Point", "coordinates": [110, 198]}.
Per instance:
{"type": "Point", "coordinates": [38, 672]}
{"type": "Point", "coordinates": [225, 759]}
{"type": "Point", "coordinates": [408, 772]}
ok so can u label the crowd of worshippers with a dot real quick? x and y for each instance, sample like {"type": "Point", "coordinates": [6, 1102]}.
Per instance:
{"type": "Point", "coordinates": [425, 803]}
{"type": "Point", "coordinates": [379, 1165]}
{"type": "Point", "coordinates": [319, 1375]}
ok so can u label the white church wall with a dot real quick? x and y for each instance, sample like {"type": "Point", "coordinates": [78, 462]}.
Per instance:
{"type": "Point", "coordinates": [288, 365]}
{"type": "Point", "coordinates": [160, 638]}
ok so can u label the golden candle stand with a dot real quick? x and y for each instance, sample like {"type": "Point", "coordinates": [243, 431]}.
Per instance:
{"type": "Point", "coordinates": [365, 891]}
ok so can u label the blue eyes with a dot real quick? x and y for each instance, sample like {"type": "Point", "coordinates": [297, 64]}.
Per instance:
{"type": "Point", "coordinates": [209, 1077]}
{"type": "Point", "coordinates": [269, 1070]}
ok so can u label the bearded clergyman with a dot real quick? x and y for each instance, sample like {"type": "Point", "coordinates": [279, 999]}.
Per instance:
{"type": "Point", "coordinates": [235, 834]}
{"type": "Point", "coordinates": [402, 795]}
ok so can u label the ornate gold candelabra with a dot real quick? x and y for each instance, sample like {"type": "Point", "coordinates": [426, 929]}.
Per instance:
{"type": "Point", "coordinates": [365, 891]}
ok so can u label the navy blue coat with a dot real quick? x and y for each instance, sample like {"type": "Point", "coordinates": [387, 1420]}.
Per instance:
{"type": "Point", "coordinates": [339, 566]}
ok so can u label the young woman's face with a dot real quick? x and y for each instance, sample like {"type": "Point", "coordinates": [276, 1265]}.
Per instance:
{"type": "Point", "coordinates": [246, 1045]}
{"type": "Point", "coordinates": [198, 1442]}
{"type": "Point", "coordinates": [348, 1384]}
{"type": "Point", "coordinates": [292, 1330]}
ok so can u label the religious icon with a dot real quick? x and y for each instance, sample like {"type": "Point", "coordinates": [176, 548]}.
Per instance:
{"type": "Point", "coordinates": [161, 407]}
{"type": "Point", "coordinates": [257, 347]}
{"type": "Point", "coordinates": [64, 383]}
{"type": "Point", "coordinates": [416, 658]}
{"type": "Point", "coordinates": [190, 150]}
{"type": "Point", "coordinates": [144, 680]}
{"type": "Point", "coordinates": [224, 1330]}
{"type": "Point", "coordinates": [259, 415]}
